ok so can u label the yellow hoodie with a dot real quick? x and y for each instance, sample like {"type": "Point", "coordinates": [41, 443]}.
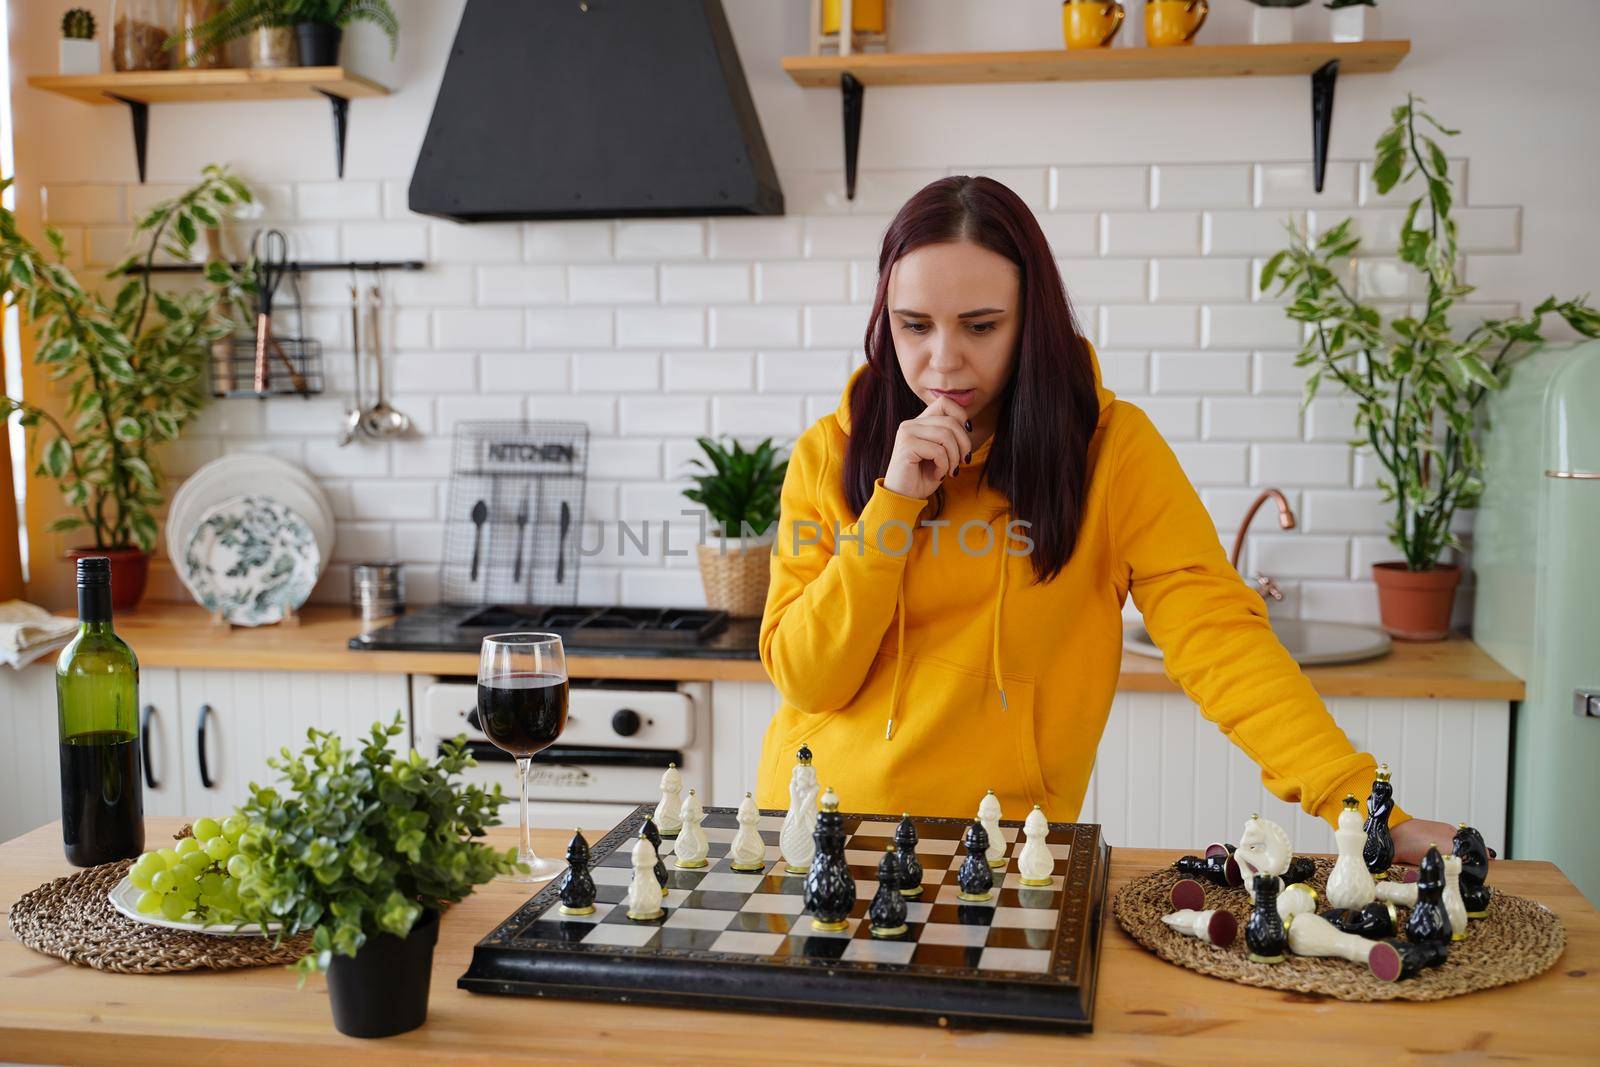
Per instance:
{"type": "Point", "coordinates": [920, 679]}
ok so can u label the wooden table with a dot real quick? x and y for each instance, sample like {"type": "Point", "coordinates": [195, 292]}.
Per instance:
{"type": "Point", "coordinates": [53, 1012]}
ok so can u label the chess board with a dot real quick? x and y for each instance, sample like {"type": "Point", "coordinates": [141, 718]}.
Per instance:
{"type": "Point", "coordinates": [727, 940]}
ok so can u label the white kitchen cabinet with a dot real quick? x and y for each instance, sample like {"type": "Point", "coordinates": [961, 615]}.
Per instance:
{"type": "Point", "coordinates": [159, 730]}
{"type": "Point", "coordinates": [740, 713]}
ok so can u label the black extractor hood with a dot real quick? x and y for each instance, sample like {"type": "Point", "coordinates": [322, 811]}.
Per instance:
{"type": "Point", "coordinates": [571, 109]}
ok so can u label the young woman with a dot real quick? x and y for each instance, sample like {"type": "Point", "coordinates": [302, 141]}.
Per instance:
{"type": "Point", "coordinates": [958, 538]}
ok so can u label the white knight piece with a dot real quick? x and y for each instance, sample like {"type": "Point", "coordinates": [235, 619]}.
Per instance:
{"type": "Point", "coordinates": [644, 892]}
{"type": "Point", "coordinates": [1454, 906]}
{"type": "Point", "coordinates": [989, 816]}
{"type": "Point", "coordinates": [800, 822]}
{"type": "Point", "coordinates": [692, 847]}
{"type": "Point", "coordinates": [1264, 848]}
{"type": "Point", "coordinates": [667, 819]}
{"type": "Point", "coordinates": [747, 852]}
{"type": "Point", "coordinates": [1035, 864]}
{"type": "Point", "coordinates": [1350, 884]}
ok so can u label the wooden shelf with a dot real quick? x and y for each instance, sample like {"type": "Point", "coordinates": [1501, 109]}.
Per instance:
{"type": "Point", "coordinates": [1095, 64]}
{"type": "Point", "coordinates": [180, 86]}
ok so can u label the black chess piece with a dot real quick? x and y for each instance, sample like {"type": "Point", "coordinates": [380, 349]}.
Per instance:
{"type": "Point", "coordinates": [1474, 855]}
{"type": "Point", "coordinates": [1264, 934]}
{"type": "Point", "coordinates": [975, 877]}
{"type": "Point", "coordinates": [1374, 921]}
{"type": "Point", "coordinates": [1428, 920]}
{"type": "Point", "coordinates": [577, 884]}
{"type": "Point", "coordinates": [905, 844]}
{"type": "Point", "coordinates": [650, 832]}
{"type": "Point", "coordinates": [1301, 869]}
{"type": "Point", "coordinates": [830, 892]}
{"type": "Point", "coordinates": [1220, 870]}
{"type": "Point", "coordinates": [1394, 961]}
{"type": "Point", "coordinates": [1378, 853]}
{"type": "Point", "coordinates": [887, 911]}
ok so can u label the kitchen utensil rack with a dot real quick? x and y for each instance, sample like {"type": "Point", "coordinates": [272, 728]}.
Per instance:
{"type": "Point", "coordinates": [525, 480]}
{"type": "Point", "coordinates": [294, 363]}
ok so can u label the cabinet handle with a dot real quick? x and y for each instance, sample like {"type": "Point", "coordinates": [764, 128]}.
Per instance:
{"type": "Point", "coordinates": [144, 745]}
{"type": "Point", "coordinates": [200, 744]}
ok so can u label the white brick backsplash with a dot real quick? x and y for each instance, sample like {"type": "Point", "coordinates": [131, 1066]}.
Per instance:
{"type": "Point", "coordinates": [661, 239]}
{"type": "Point", "coordinates": [1227, 507]}
{"type": "Point", "coordinates": [454, 409]}
{"type": "Point", "coordinates": [395, 499]}
{"type": "Point", "coordinates": [1188, 185]}
{"type": "Point", "coordinates": [436, 285]}
{"type": "Point", "coordinates": [1027, 182]}
{"type": "Point", "coordinates": [704, 283]}
{"type": "Point", "coordinates": [477, 328]}
{"type": "Point", "coordinates": [656, 501]}
{"type": "Point", "coordinates": [1368, 469]}
{"type": "Point", "coordinates": [1344, 511]}
{"type": "Point", "coordinates": [660, 327]}
{"type": "Point", "coordinates": [525, 372]}
{"type": "Point", "coordinates": [1178, 419]}
{"type": "Point", "coordinates": [339, 200]}
{"type": "Point", "coordinates": [1207, 464]}
{"type": "Point", "coordinates": [566, 242]}
{"type": "Point", "coordinates": [1293, 554]}
{"type": "Point", "coordinates": [627, 372]}
{"type": "Point", "coordinates": [664, 415]}
{"type": "Point", "coordinates": [1125, 372]}
{"type": "Point", "coordinates": [1355, 602]}
{"type": "Point", "coordinates": [667, 587]}
{"type": "Point", "coordinates": [1091, 188]}
{"type": "Point", "coordinates": [477, 242]}
{"type": "Point", "coordinates": [745, 327]}
{"type": "Point", "coordinates": [1488, 229]}
{"type": "Point", "coordinates": [1073, 234]}
{"type": "Point", "coordinates": [1147, 233]}
{"type": "Point", "coordinates": [420, 457]}
{"type": "Point", "coordinates": [1291, 185]}
{"type": "Point", "coordinates": [384, 240]}
{"type": "Point", "coordinates": [1389, 279]}
{"type": "Point", "coordinates": [1275, 372]}
{"type": "Point", "coordinates": [430, 372]}
{"type": "Point", "coordinates": [598, 412]}
{"type": "Point", "coordinates": [517, 286]}
{"type": "Point", "coordinates": [1235, 233]}
{"type": "Point", "coordinates": [878, 190]}
{"type": "Point", "coordinates": [359, 542]}
{"type": "Point", "coordinates": [1367, 550]}
{"type": "Point", "coordinates": [1277, 464]}
{"type": "Point", "coordinates": [625, 459]}
{"type": "Point", "coordinates": [1330, 418]}
{"type": "Point", "coordinates": [1200, 372]}
{"type": "Point", "coordinates": [765, 416]}
{"type": "Point", "coordinates": [612, 285]}
{"type": "Point", "coordinates": [1255, 418]}
{"type": "Point", "coordinates": [753, 238]}
{"type": "Point", "coordinates": [849, 237]}
{"type": "Point", "coordinates": [836, 326]}
{"type": "Point", "coordinates": [1100, 280]}
{"type": "Point", "coordinates": [420, 407]}
{"type": "Point", "coordinates": [1404, 192]}
{"type": "Point", "coordinates": [1147, 325]}
{"type": "Point", "coordinates": [1192, 280]}
{"type": "Point", "coordinates": [318, 415]}
{"type": "Point", "coordinates": [418, 542]}
{"type": "Point", "coordinates": [816, 192]}
{"type": "Point", "coordinates": [802, 282]}
{"type": "Point", "coordinates": [709, 372]}
{"type": "Point", "coordinates": [802, 371]}
{"type": "Point", "coordinates": [312, 242]}
{"type": "Point", "coordinates": [83, 203]}
{"type": "Point", "coordinates": [1250, 325]}
{"type": "Point", "coordinates": [406, 329]}
{"type": "Point", "coordinates": [569, 327]}
{"type": "Point", "coordinates": [106, 246]}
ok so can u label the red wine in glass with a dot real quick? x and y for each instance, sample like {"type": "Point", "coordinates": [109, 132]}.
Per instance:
{"type": "Point", "coordinates": [523, 712]}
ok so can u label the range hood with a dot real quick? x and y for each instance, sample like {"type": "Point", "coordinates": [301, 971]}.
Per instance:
{"type": "Point", "coordinates": [571, 109]}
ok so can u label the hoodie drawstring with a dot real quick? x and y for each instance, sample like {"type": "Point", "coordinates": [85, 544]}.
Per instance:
{"type": "Point", "coordinates": [899, 651]}
{"type": "Point", "coordinates": [999, 606]}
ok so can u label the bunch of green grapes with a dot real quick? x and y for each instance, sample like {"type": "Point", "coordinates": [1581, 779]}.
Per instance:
{"type": "Point", "coordinates": [197, 878]}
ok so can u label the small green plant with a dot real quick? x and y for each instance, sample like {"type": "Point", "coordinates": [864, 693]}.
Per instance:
{"type": "Point", "coordinates": [360, 841]}
{"type": "Point", "coordinates": [134, 369]}
{"type": "Point", "coordinates": [77, 25]}
{"type": "Point", "coordinates": [241, 17]}
{"type": "Point", "coordinates": [740, 489]}
{"type": "Point", "coordinates": [1418, 378]}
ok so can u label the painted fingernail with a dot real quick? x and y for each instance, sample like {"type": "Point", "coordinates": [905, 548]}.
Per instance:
{"type": "Point", "coordinates": [955, 472]}
{"type": "Point", "coordinates": [969, 424]}
{"type": "Point", "coordinates": [968, 459]}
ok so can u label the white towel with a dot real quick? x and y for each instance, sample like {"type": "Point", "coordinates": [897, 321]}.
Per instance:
{"type": "Point", "coordinates": [28, 631]}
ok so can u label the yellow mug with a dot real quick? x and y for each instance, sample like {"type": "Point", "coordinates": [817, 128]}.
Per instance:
{"type": "Point", "coordinates": [1090, 23]}
{"type": "Point", "coordinates": [1170, 22]}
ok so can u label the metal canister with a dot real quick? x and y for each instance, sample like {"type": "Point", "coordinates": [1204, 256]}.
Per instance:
{"type": "Point", "coordinates": [377, 590]}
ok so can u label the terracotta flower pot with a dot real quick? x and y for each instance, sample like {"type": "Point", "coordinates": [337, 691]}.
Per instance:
{"type": "Point", "coordinates": [130, 568]}
{"type": "Point", "coordinates": [1415, 605]}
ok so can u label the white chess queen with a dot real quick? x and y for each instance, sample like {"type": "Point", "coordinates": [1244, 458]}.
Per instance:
{"type": "Point", "coordinates": [800, 821]}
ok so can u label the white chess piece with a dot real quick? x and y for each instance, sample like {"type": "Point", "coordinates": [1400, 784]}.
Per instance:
{"type": "Point", "coordinates": [667, 819]}
{"type": "Point", "coordinates": [1454, 906]}
{"type": "Point", "coordinates": [1213, 927]}
{"type": "Point", "coordinates": [1035, 863]}
{"type": "Point", "coordinates": [1312, 935]}
{"type": "Point", "coordinates": [747, 852]}
{"type": "Point", "coordinates": [644, 892]}
{"type": "Point", "coordinates": [1402, 893]}
{"type": "Point", "coordinates": [1350, 884]}
{"type": "Point", "coordinates": [800, 822]}
{"type": "Point", "coordinates": [989, 816]}
{"type": "Point", "coordinates": [690, 851]}
{"type": "Point", "coordinates": [1296, 899]}
{"type": "Point", "coordinates": [1264, 848]}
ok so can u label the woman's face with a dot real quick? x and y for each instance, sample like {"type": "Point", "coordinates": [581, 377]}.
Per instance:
{"type": "Point", "coordinates": [954, 312]}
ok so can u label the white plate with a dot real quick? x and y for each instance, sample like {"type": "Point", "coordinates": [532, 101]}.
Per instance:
{"type": "Point", "coordinates": [251, 559]}
{"type": "Point", "coordinates": [125, 895]}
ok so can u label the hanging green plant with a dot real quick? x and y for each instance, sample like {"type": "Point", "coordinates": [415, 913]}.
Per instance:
{"type": "Point", "coordinates": [241, 17]}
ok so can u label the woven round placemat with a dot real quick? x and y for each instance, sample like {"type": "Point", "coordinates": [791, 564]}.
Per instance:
{"type": "Point", "coordinates": [1518, 939]}
{"type": "Point", "coordinates": [72, 919]}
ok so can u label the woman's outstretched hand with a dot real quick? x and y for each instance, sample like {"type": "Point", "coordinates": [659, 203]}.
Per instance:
{"type": "Point", "coordinates": [1412, 838]}
{"type": "Point", "coordinates": [928, 448]}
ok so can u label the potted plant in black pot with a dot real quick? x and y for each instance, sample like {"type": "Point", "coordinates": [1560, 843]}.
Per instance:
{"type": "Point", "coordinates": [318, 24]}
{"type": "Point", "coordinates": [364, 847]}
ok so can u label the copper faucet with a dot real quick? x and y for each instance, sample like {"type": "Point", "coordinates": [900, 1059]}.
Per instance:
{"type": "Point", "coordinates": [1266, 585]}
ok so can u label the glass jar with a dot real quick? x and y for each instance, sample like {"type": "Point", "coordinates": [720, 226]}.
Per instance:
{"type": "Point", "coordinates": [139, 32]}
{"type": "Point", "coordinates": [272, 46]}
{"type": "Point", "coordinates": [191, 15]}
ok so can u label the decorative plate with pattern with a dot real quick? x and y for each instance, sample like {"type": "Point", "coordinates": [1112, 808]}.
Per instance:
{"type": "Point", "coordinates": [252, 558]}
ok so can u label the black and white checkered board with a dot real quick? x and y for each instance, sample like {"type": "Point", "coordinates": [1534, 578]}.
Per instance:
{"type": "Point", "coordinates": [732, 940]}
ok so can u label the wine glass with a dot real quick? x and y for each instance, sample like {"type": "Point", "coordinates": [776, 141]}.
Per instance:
{"type": "Point", "coordinates": [522, 707]}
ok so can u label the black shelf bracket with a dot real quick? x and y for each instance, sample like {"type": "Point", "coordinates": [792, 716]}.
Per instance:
{"type": "Point", "coordinates": [853, 94]}
{"type": "Point", "coordinates": [341, 126]}
{"type": "Point", "coordinates": [140, 112]}
{"type": "Point", "coordinates": [1322, 80]}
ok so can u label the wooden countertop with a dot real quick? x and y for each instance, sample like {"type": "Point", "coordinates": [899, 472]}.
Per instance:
{"type": "Point", "coordinates": [53, 1012]}
{"type": "Point", "coordinates": [181, 635]}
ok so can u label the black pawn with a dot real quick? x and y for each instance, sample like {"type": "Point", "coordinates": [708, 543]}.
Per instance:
{"type": "Point", "coordinates": [1428, 921]}
{"type": "Point", "coordinates": [1220, 869]}
{"type": "Point", "coordinates": [887, 912]}
{"type": "Point", "coordinates": [1264, 934]}
{"type": "Point", "coordinates": [1301, 869]}
{"type": "Point", "coordinates": [1408, 958]}
{"type": "Point", "coordinates": [651, 833]}
{"type": "Point", "coordinates": [905, 844]}
{"type": "Point", "coordinates": [1378, 853]}
{"type": "Point", "coordinates": [975, 878]}
{"type": "Point", "coordinates": [1474, 855]}
{"type": "Point", "coordinates": [577, 884]}
{"type": "Point", "coordinates": [830, 891]}
{"type": "Point", "coordinates": [1375, 921]}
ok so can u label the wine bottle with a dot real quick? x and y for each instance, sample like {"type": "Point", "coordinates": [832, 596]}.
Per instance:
{"type": "Point", "coordinates": [97, 708]}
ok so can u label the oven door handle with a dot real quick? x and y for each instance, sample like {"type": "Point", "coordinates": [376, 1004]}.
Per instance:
{"type": "Point", "coordinates": [585, 755]}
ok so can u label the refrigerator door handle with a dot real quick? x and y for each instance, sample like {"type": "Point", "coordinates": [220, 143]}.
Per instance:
{"type": "Point", "coordinates": [1586, 703]}
{"type": "Point", "coordinates": [1582, 476]}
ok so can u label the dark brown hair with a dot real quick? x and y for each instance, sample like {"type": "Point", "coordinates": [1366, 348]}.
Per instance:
{"type": "Point", "coordinates": [1040, 457]}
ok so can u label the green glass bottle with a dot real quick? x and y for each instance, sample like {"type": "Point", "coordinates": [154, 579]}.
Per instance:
{"type": "Point", "coordinates": [97, 707]}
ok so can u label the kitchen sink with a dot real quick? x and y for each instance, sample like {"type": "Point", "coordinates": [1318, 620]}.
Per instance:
{"type": "Point", "coordinates": [1310, 643]}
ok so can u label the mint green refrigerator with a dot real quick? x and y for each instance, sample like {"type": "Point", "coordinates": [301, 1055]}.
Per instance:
{"type": "Point", "coordinates": [1536, 557]}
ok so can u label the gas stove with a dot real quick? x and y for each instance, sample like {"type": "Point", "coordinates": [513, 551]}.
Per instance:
{"type": "Point", "coordinates": [612, 631]}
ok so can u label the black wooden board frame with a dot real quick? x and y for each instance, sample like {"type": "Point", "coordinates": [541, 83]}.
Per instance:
{"type": "Point", "coordinates": [1060, 1000]}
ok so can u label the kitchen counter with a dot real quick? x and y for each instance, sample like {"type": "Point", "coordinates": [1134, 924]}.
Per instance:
{"type": "Point", "coordinates": [51, 1011]}
{"type": "Point", "coordinates": [167, 634]}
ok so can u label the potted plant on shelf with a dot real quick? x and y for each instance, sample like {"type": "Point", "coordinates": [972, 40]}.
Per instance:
{"type": "Point", "coordinates": [133, 370]}
{"type": "Point", "coordinates": [80, 52]}
{"type": "Point", "coordinates": [1272, 21]}
{"type": "Point", "coordinates": [1419, 377]}
{"type": "Point", "coordinates": [318, 25]}
{"type": "Point", "coordinates": [741, 491]}
{"type": "Point", "coordinates": [364, 847]}
{"type": "Point", "coordinates": [1352, 20]}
